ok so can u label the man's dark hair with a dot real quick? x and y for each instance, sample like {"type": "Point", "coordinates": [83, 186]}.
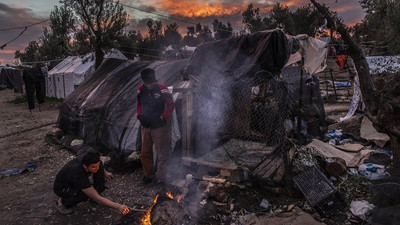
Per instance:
{"type": "Point", "coordinates": [91, 156]}
{"type": "Point", "coordinates": [148, 75]}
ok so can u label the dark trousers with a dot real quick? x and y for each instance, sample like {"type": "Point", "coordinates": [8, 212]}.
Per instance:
{"type": "Point", "coordinates": [70, 196]}
{"type": "Point", "coordinates": [34, 82]}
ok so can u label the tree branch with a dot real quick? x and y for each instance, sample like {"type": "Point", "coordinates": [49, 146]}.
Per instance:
{"type": "Point", "coordinates": [354, 50]}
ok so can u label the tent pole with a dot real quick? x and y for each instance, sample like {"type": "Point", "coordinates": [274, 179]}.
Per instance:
{"type": "Point", "coordinates": [300, 96]}
{"type": "Point", "coordinates": [333, 83]}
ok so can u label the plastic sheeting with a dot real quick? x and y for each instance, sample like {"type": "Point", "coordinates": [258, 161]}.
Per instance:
{"type": "Point", "coordinates": [10, 78]}
{"type": "Point", "coordinates": [226, 70]}
{"type": "Point", "coordinates": [102, 110]}
{"type": "Point", "coordinates": [357, 97]}
{"type": "Point", "coordinates": [314, 52]}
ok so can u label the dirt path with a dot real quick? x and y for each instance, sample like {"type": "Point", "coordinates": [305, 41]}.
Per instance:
{"type": "Point", "coordinates": [28, 198]}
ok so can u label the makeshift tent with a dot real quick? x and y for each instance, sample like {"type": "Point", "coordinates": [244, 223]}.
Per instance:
{"type": "Point", "coordinates": [237, 93]}
{"type": "Point", "coordinates": [241, 93]}
{"type": "Point", "coordinates": [102, 109]}
{"type": "Point", "coordinates": [10, 78]}
{"type": "Point", "coordinates": [71, 72]}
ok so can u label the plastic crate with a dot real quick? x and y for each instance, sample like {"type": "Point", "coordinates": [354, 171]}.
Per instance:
{"type": "Point", "coordinates": [320, 192]}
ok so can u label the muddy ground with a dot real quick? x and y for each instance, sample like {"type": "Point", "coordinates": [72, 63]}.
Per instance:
{"type": "Point", "coordinates": [28, 198]}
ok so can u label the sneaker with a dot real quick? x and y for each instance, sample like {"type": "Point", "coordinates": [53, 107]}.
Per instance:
{"type": "Point", "coordinates": [147, 180]}
{"type": "Point", "coordinates": [61, 208]}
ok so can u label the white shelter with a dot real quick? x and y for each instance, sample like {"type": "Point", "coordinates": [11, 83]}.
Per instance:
{"type": "Point", "coordinates": [71, 72]}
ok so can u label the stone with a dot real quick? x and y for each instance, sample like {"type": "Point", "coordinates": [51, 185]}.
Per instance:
{"type": "Point", "coordinates": [77, 142]}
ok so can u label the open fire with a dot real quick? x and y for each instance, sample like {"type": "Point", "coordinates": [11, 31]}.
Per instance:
{"type": "Point", "coordinates": [178, 199]}
{"type": "Point", "coordinates": [146, 218]}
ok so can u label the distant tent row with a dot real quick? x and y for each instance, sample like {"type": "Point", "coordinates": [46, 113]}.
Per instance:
{"type": "Point", "coordinates": [11, 78]}
{"type": "Point", "coordinates": [71, 72]}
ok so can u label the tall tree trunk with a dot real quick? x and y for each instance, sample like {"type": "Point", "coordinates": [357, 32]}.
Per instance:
{"type": "Point", "coordinates": [99, 53]}
{"type": "Point", "coordinates": [375, 109]}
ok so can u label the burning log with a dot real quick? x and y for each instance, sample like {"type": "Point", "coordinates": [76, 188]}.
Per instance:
{"type": "Point", "coordinates": [165, 208]}
{"type": "Point", "coordinates": [146, 217]}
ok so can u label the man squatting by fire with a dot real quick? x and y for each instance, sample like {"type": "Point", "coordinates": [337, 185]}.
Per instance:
{"type": "Point", "coordinates": [154, 108]}
{"type": "Point", "coordinates": [72, 184]}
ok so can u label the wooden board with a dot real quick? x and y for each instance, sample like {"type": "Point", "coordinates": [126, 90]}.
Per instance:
{"type": "Point", "coordinates": [267, 167]}
{"type": "Point", "coordinates": [189, 160]}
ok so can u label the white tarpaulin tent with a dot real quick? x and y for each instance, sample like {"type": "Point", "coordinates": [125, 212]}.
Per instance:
{"type": "Point", "coordinates": [71, 72]}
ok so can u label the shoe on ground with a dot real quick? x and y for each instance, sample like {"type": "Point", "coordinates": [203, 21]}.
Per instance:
{"type": "Point", "coordinates": [61, 208]}
{"type": "Point", "coordinates": [147, 180]}
{"type": "Point", "coordinates": [163, 186]}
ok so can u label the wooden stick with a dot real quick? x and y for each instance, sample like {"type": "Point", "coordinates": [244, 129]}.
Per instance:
{"type": "Point", "coordinates": [138, 210]}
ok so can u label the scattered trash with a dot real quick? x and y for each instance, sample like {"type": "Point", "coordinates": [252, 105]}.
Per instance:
{"type": "Point", "coordinates": [332, 142]}
{"type": "Point", "coordinates": [335, 133]}
{"type": "Point", "coordinates": [320, 192]}
{"type": "Point", "coordinates": [304, 158]}
{"type": "Point", "coordinates": [335, 166]}
{"type": "Point", "coordinates": [386, 152]}
{"type": "Point", "coordinates": [340, 84]}
{"type": "Point", "coordinates": [77, 142]}
{"type": "Point", "coordinates": [189, 178]}
{"type": "Point", "coordinates": [373, 171]}
{"type": "Point", "coordinates": [345, 141]}
{"type": "Point", "coordinates": [353, 171]}
{"type": "Point", "coordinates": [31, 166]}
{"type": "Point", "coordinates": [368, 132]}
{"type": "Point", "coordinates": [14, 171]}
{"type": "Point", "coordinates": [360, 208]}
{"type": "Point", "coordinates": [264, 203]}
{"type": "Point", "coordinates": [350, 147]}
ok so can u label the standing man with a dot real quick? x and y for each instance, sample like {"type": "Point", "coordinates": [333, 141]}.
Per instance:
{"type": "Point", "coordinates": [72, 184]}
{"type": "Point", "coordinates": [154, 108]}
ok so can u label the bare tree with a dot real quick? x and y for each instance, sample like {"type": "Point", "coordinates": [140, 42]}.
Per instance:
{"type": "Point", "coordinates": [104, 20]}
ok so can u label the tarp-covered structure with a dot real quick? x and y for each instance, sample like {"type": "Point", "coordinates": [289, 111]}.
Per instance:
{"type": "Point", "coordinates": [102, 109]}
{"type": "Point", "coordinates": [11, 78]}
{"type": "Point", "coordinates": [239, 92]}
{"type": "Point", "coordinates": [242, 92]}
{"type": "Point", "coordinates": [71, 72]}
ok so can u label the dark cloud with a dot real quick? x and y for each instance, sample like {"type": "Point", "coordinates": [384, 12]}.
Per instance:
{"type": "Point", "coordinates": [192, 11]}
{"type": "Point", "coordinates": [17, 17]}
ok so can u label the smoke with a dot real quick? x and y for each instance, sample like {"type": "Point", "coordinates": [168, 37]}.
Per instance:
{"type": "Point", "coordinates": [212, 100]}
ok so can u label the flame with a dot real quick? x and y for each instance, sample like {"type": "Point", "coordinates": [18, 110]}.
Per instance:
{"type": "Point", "coordinates": [146, 217]}
{"type": "Point", "coordinates": [169, 194]}
{"type": "Point", "coordinates": [180, 198]}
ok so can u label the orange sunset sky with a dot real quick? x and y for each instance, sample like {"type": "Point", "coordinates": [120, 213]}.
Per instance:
{"type": "Point", "coordinates": [20, 13]}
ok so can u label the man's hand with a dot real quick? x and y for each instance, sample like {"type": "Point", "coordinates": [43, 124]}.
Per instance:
{"type": "Point", "coordinates": [108, 175]}
{"type": "Point", "coordinates": [123, 209]}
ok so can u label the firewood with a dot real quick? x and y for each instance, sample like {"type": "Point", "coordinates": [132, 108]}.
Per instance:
{"type": "Point", "coordinates": [214, 180]}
